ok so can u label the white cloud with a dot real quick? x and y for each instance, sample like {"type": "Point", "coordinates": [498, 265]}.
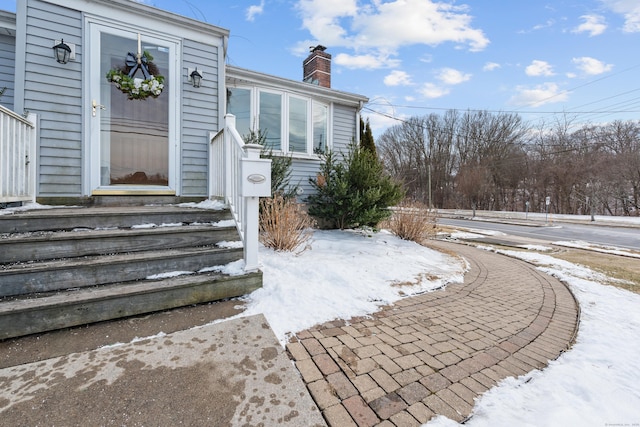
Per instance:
{"type": "Point", "coordinates": [397, 78]}
{"type": "Point", "coordinates": [381, 28]}
{"type": "Point", "coordinates": [405, 22]}
{"type": "Point", "coordinates": [593, 24]}
{"type": "Point", "coordinates": [591, 66]}
{"type": "Point", "coordinates": [539, 68]}
{"type": "Point", "coordinates": [549, 23]}
{"type": "Point", "coordinates": [430, 90]}
{"type": "Point", "coordinates": [254, 10]}
{"type": "Point", "coordinates": [490, 66]}
{"type": "Point", "coordinates": [630, 9]}
{"type": "Point", "coordinates": [323, 19]}
{"type": "Point", "coordinates": [369, 62]}
{"type": "Point", "coordinates": [450, 76]}
{"type": "Point", "coordinates": [546, 93]}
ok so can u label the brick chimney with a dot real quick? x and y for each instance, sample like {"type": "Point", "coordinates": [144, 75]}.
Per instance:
{"type": "Point", "coordinates": [317, 67]}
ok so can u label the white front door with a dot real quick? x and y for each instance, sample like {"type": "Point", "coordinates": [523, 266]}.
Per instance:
{"type": "Point", "coordinates": [133, 142]}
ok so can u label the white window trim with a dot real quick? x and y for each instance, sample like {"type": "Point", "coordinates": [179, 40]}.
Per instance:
{"type": "Point", "coordinates": [309, 125]}
{"type": "Point", "coordinates": [254, 114]}
{"type": "Point", "coordinates": [256, 123]}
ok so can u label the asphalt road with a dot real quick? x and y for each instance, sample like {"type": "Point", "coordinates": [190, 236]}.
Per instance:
{"type": "Point", "coordinates": [620, 237]}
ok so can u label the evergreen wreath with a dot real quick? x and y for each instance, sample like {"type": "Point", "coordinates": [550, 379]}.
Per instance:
{"type": "Point", "coordinates": [134, 87]}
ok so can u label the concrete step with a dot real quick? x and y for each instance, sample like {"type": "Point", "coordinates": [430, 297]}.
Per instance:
{"type": "Point", "coordinates": [64, 309]}
{"type": "Point", "coordinates": [104, 217]}
{"type": "Point", "coordinates": [73, 266]}
{"type": "Point", "coordinates": [25, 247]}
{"type": "Point", "coordinates": [55, 275]}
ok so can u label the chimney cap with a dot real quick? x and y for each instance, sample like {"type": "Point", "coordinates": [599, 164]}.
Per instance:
{"type": "Point", "coordinates": [317, 48]}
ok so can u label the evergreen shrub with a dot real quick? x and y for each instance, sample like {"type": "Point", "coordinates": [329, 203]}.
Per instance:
{"type": "Point", "coordinates": [353, 191]}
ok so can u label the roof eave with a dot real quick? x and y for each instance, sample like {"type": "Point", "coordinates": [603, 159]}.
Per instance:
{"type": "Point", "coordinates": [239, 75]}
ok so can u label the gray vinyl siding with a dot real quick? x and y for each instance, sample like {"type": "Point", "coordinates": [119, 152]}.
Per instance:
{"type": "Point", "coordinates": [7, 69]}
{"type": "Point", "coordinates": [344, 127]}
{"type": "Point", "coordinates": [199, 116]}
{"type": "Point", "coordinates": [54, 92]}
{"type": "Point", "coordinates": [301, 171]}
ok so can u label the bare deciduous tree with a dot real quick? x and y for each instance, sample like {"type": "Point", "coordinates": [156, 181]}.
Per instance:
{"type": "Point", "coordinates": [496, 161]}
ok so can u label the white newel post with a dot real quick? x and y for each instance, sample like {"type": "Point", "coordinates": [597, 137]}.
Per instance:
{"type": "Point", "coordinates": [256, 183]}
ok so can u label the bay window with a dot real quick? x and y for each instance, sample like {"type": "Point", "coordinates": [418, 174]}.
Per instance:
{"type": "Point", "coordinates": [270, 119]}
{"type": "Point", "coordinates": [320, 125]}
{"type": "Point", "coordinates": [239, 104]}
{"type": "Point", "coordinates": [298, 120]}
{"type": "Point", "coordinates": [292, 124]}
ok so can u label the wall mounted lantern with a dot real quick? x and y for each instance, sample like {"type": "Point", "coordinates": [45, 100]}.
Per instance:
{"type": "Point", "coordinates": [62, 52]}
{"type": "Point", "coordinates": [195, 77]}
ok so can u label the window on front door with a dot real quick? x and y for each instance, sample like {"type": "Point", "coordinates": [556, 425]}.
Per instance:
{"type": "Point", "coordinates": [134, 134]}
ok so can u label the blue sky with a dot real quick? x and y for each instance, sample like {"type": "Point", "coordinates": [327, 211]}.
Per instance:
{"type": "Point", "coordinates": [545, 60]}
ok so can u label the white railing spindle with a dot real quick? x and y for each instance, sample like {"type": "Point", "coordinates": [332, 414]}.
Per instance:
{"type": "Point", "coordinates": [17, 157]}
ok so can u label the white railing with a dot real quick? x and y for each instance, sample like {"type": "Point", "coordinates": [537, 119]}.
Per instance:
{"type": "Point", "coordinates": [17, 157]}
{"type": "Point", "coordinates": [240, 177]}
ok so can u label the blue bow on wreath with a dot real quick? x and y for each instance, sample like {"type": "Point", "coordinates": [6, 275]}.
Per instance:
{"type": "Point", "coordinates": [132, 61]}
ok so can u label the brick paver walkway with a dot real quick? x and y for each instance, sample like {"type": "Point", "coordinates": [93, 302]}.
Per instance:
{"type": "Point", "coordinates": [435, 353]}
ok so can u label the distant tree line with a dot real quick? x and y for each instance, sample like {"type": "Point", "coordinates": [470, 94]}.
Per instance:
{"type": "Point", "coordinates": [497, 161]}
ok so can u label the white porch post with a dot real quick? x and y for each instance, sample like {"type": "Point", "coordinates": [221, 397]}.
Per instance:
{"type": "Point", "coordinates": [256, 182]}
{"type": "Point", "coordinates": [247, 177]}
{"type": "Point", "coordinates": [251, 235]}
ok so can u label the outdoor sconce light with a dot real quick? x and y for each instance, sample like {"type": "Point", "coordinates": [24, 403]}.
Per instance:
{"type": "Point", "coordinates": [62, 52]}
{"type": "Point", "coordinates": [195, 77]}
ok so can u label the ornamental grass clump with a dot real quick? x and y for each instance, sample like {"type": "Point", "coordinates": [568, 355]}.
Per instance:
{"type": "Point", "coordinates": [284, 225]}
{"type": "Point", "coordinates": [412, 221]}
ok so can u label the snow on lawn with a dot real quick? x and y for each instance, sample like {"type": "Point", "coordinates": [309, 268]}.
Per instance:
{"type": "Point", "coordinates": [344, 274]}
{"type": "Point", "coordinates": [595, 383]}
{"type": "Point", "coordinates": [539, 248]}
{"type": "Point", "coordinates": [598, 248]}
{"type": "Point", "coordinates": [474, 233]}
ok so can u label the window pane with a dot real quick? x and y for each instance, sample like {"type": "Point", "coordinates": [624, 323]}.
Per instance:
{"type": "Point", "coordinates": [319, 128]}
{"type": "Point", "coordinates": [134, 135]}
{"type": "Point", "coordinates": [297, 125]}
{"type": "Point", "coordinates": [239, 104]}
{"type": "Point", "coordinates": [271, 119]}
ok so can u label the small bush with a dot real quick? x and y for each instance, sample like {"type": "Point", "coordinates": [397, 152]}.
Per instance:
{"type": "Point", "coordinates": [412, 221]}
{"type": "Point", "coordinates": [353, 192]}
{"type": "Point", "coordinates": [284, 226]}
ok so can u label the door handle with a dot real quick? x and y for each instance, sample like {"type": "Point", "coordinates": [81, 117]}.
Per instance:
{"type": "Point", "coordinates": [95, 106]}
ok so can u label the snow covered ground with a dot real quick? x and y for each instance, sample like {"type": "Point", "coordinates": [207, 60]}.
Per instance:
{"type": "Point", "coordinates": [316, 285]}
{"type": "Point", "coordinates": [595, 383]}
{"type": "Point", "coordinates": [543, 217]}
